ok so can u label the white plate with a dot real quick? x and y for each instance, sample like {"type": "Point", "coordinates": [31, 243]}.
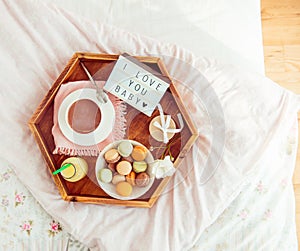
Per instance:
{"type": "Point", "coordinates": [103, 129]}
{"type": "Point", "coordinates": [110, 188]}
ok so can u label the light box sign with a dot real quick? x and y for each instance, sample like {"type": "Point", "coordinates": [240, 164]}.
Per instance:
{"type": "Point", "coordinates": [136, 84]}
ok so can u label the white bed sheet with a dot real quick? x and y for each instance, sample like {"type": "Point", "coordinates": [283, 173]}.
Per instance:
{"type": "Point", "coordinates": [226, 30]}
{"type": "Point", "coordinates": [262, 217]}
{"type": "Point", "coordinates": [242, 214]}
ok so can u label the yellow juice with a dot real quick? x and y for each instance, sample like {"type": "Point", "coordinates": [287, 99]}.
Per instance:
{"type": "Point", "coordinates": [76, 171]}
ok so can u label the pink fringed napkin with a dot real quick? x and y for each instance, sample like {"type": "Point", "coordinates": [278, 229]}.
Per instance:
{"type": "Point", "coordinates": [63, 145]}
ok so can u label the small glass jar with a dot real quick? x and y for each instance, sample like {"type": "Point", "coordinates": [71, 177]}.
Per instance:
{"type": "Point", "coordinates": [76, 171]}
{"type": "Point", "coordinates": [157, 133]}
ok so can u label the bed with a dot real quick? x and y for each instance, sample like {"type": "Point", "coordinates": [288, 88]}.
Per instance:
{"type": "Point", "coordinates": [247, 204]}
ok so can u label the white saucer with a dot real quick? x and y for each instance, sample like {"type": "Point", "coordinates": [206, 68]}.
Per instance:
{"type": "Point", "coordinates": [103, 129]}
{"type": "Point", "coordinates": [110, 188]}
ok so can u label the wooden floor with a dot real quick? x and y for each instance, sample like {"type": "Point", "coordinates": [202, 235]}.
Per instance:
{"type": "Point", "coordinates": [281, 36]}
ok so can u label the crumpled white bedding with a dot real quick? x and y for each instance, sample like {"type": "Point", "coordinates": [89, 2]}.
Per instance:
{"type": "Point", "coordinates": [240, 116]}
{"type": "Point", "coordinates": [262, 217]}
{"type": "Point", "coordinates": [227, 30]}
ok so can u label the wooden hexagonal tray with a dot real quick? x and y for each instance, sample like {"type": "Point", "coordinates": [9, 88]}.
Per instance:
{"type": "Point", "coordinates": [87, 190]}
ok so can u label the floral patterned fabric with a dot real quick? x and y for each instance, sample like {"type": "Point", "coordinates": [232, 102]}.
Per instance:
{"type": "Point", "coordinates": [24, 223]}
{"type": "Point", "coordinates": [262, 217]}
{"type": "Point", "coordinates": [253, 223]}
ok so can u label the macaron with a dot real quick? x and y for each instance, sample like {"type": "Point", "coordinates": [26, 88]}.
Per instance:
{"type": "Point", "coordinates": [139, 166]}
{"type": "Point", "coordinates": [139, 153]}
{"type": "Point", "coordinates": [124, 167]}
{"type": "Point", "coordinates": [142, 179]}
{"type": "Point", "coordinates": [125, 148]}
{"type": "Point", "coordinates": [118, 178]}
{"type": "Point", "coordinates": [130, 178]}
{"type": "Point", "coordinates": [105, 175]}
{"type": "Point", "coordinates": [112, 156]}
{"type": "Point", "coordinates": [123, 188]}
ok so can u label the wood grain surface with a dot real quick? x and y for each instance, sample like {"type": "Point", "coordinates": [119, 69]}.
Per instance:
{"type": "Point", "coordinates": [87, 189]}
{"type": "Point", "coordinates": [281, 38]}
